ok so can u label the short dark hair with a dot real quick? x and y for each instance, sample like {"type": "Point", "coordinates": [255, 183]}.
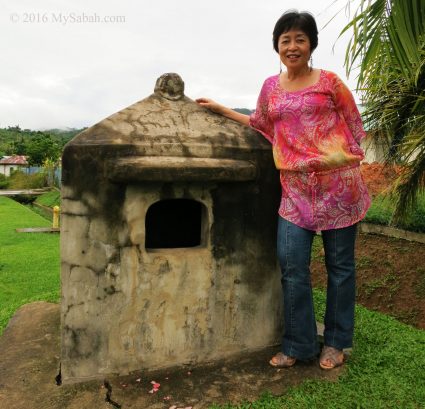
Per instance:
{"type": "Point", "coordinates": [292, 19]}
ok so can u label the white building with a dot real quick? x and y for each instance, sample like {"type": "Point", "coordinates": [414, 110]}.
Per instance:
{"type": "Point", "coordinates": [10, 163]}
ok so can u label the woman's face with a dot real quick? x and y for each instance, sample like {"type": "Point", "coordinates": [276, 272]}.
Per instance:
{"type": "Point", "coordinates": [294, 49]}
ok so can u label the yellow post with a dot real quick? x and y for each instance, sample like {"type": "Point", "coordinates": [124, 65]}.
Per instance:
{"type": "Point", "coordinates": [56, 217]}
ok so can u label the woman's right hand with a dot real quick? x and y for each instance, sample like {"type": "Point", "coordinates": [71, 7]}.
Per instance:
{"type": "Point", "coordinates": [211, 105]}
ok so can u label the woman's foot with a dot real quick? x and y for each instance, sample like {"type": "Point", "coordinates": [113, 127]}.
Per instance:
{"type": "Point", "coordinates": [331, 358]}
{"type": "Point", "coordinates": [280, 360]}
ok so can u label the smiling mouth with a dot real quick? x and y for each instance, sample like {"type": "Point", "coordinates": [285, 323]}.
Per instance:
{"type": "Point", "coordinates": [292, 56]}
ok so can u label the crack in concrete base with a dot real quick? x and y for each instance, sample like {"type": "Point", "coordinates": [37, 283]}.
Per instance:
{"type": "Point", "coordinates": [108, 399]}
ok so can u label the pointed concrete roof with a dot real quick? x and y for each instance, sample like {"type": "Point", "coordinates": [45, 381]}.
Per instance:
{"type": "Point", "coordinates": [176, 125]}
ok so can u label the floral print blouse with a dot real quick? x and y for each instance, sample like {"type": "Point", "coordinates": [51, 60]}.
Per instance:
{"type": "Point", "coordinates": [316, 134]}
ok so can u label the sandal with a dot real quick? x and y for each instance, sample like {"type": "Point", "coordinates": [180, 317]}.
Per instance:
{"type": "Point", "coordinates": [280, 360]}
{"type": "Point", "coordinates": [331, 358]}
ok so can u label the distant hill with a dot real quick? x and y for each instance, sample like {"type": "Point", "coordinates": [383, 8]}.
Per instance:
{"type": "Point", "coordinates": [65, 133]}
{"type": "Point", "coordinates": [245, 111]}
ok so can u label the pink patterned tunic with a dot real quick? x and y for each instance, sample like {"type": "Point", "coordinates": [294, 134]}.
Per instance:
{"type": "Point", "coordinates": [316, 134]}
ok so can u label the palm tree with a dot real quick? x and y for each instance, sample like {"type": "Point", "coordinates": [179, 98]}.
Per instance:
{"type": "Point", "coordinates": [388, 44]}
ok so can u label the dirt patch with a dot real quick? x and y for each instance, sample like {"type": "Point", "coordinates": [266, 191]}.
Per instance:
{"type": "Point", "coordinates": [390, 277]}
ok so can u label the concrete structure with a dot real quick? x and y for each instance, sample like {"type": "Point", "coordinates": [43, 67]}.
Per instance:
{"type": "Point", "coordinates": [167, 240]}
{"type": "Point", "coordinates": [374, 151]}
{"type": "Point", "coordinates": [10, 163]}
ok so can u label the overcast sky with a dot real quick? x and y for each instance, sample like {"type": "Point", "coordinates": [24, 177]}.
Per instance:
{"type": "Point", "coordinates": [73, 63]}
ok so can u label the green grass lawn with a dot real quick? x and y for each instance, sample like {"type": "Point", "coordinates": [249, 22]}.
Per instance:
{"type": "Point", "coordinates": [49, 199]}
{"type": "Point", "coordinates": [29, 262]}
{"type": "Point", "coordinates": [386, 369]}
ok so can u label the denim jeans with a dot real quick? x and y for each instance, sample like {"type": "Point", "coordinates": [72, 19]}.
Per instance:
{"type": "Point", "coordinates": [294, 252]}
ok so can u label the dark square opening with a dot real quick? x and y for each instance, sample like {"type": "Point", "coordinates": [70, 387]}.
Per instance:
{"type": "Point", "coordinates": [174, 223]}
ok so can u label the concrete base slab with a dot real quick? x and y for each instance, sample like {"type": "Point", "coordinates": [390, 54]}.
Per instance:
{"type": "Point", "coordinates": [29, 364]}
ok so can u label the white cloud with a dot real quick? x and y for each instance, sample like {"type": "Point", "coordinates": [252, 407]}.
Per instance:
{"type": "Point", "coordinates": [68, 74]}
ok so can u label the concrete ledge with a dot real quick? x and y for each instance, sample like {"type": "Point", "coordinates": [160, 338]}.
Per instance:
{"type": "Point", "coordinates": [39, 230]}
{"type": "Point", "coordinates": [169, 169]}
{"type": "Point", "coordinates": [23, 192]}
{"type": "Point", "coordinates": [391, 232]}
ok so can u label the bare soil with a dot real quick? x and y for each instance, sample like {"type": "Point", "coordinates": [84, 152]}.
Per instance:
{"type": "Point", "coordinates": [390, 272]}
{"type": "Point", "coordinates": [390, 277]}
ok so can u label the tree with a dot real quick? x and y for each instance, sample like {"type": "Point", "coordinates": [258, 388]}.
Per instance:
{"type": "Point", "coordinates": [19, 146]}
{"type": "Point", "coordinates": [49, 168]}
{"type": "Point", "coordinates": [389, 44]}
{"type": "Point", "coordinates": [42, 147]}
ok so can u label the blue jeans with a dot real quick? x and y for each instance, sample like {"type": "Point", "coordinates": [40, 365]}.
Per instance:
{"type": "Point", "coordinates": [294, 252]}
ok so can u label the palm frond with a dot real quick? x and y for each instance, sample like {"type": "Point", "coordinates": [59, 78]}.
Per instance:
{"type": "Point", "coordinates": [389, 44]}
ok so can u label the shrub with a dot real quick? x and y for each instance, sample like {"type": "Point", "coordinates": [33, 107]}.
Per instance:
{"type": "Point", "coordinates": [4, 182]}
{"type": "Point", "coordinates": [24, 199]}
{"type": "Point", "coordinates": [20, 180]}
{"type": "Point", "coordinates": [382, 210]}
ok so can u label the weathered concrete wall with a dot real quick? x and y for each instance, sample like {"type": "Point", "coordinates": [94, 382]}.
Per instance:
{"type": "Point", "coordinates": [125, 307]}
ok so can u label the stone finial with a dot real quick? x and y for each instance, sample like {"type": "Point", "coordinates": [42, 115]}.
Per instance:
{"type": "Point", "coordinates": [170, 86]}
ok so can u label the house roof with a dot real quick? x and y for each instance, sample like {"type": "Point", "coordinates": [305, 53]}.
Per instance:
{"type": "Point", "coordinates": [14, 160]}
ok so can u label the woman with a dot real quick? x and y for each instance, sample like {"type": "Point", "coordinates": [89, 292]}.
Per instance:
{"type": "Point", "coordinates": [311, 119]}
